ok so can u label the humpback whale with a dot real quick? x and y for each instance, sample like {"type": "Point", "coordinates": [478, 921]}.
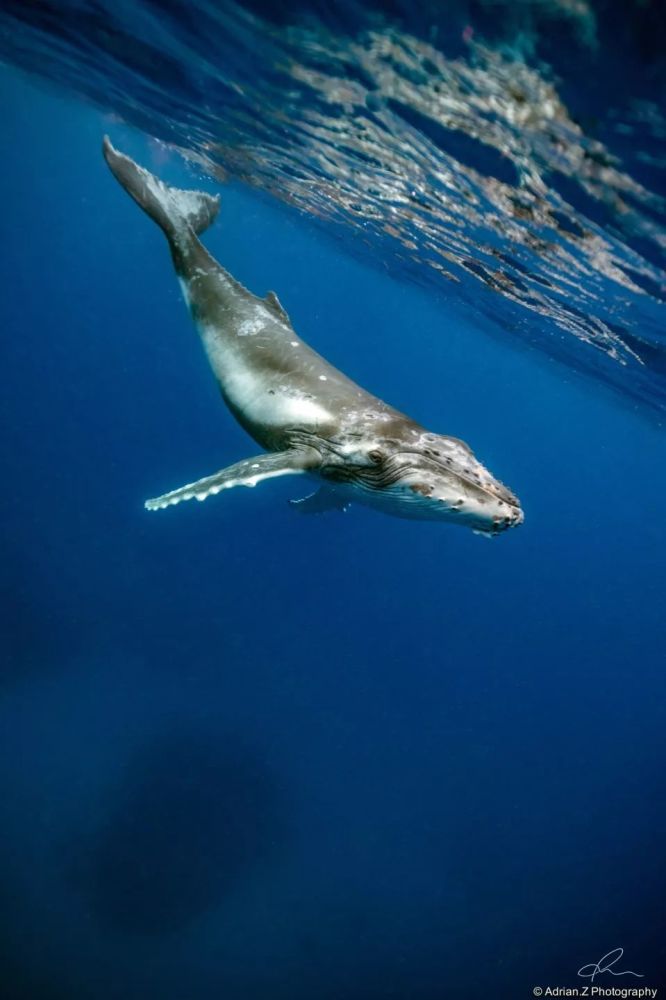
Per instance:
{"type": "Point", "coordinates": [306, 415]}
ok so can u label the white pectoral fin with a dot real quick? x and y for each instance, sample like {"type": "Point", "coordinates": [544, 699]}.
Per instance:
{"type": "Point", "coordinates": [249, 472]}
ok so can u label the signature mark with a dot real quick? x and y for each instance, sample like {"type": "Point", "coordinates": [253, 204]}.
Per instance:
{"type": "Point", "coordinates": [605, 965]}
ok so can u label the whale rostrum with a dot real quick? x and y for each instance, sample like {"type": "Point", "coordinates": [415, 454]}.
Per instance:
{"type": "Point", "coordinates": [307, 416]}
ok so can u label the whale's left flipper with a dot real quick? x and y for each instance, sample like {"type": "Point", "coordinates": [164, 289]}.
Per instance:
{"type": "Point", "coordinates": [249, 472]}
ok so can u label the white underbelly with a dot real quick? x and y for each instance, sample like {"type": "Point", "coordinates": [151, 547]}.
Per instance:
{"type": "Point", "coordinates": [269, 400]}
{"type": "Point", "coordinates": [272, 404]}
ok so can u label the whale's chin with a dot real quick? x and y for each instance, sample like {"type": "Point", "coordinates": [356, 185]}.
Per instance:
{"type": "Point", "coordinates": [488, 517]}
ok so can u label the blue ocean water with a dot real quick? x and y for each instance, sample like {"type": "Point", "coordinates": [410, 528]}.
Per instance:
{"type": "Point", "coordinates": [249, 754]}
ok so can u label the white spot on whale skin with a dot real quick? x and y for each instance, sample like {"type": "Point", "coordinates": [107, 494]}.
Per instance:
{"type": "Point", "coordinates": [250, 327]}
{"type": "Point", "coordinates": [294, 343]}
{"type": "Point", "coordinates": [323, 378]}
{"type": "Point", "coordinates": [254, 323]}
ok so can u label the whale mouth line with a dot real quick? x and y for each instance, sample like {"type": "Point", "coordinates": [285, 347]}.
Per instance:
{"type": "Point", "coordinates": [458, 500]}
{"type": "Point", "coordinates": [392, 471]}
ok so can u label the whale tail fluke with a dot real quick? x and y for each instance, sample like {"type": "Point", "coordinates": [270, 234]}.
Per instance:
{"type": "Point", "coordinates": [177, 212]}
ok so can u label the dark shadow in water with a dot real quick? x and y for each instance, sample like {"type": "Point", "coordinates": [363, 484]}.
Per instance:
{"type": "Point", "coordinates": [30, 637]}
{"type": "Point", "coordinates": [194, 817]}
{"type": "Point", "coordinates": [21, 977]}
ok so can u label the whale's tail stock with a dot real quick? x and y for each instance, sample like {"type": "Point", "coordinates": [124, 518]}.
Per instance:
{"type": "Point", "coordinates": [179, 213]}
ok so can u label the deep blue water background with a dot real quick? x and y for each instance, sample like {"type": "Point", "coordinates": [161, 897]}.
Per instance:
{"type": "Point", "coordinates": [251, 755]}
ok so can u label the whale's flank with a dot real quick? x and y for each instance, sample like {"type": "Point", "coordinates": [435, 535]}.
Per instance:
{"type": "Point", "coordinates": [175, 211]}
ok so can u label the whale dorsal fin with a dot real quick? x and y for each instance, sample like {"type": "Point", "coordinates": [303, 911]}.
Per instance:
{"type": "Point", "coordinates": [249, 472]}
{"type": "Point", "coordinates": [273, 303]}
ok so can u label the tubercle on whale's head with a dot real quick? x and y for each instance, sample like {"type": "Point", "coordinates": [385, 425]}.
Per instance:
{"type": "Point", "coordinates": [434, 477]}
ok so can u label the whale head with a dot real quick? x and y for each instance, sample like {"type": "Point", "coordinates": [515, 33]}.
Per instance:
{"type": "Point", "coordinates": [436, 478]}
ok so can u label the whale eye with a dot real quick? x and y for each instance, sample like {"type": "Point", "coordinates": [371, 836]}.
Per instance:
{"type": "Point", "coordinates": [376, 456]}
